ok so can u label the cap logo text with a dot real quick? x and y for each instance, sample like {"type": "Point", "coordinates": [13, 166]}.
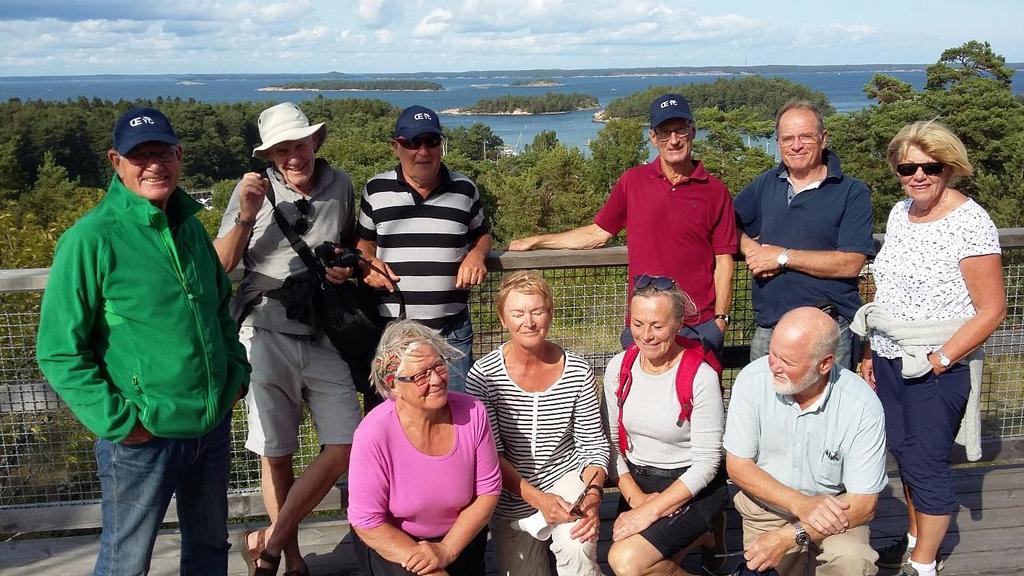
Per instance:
{"type": "Point", "coordinates": [422, 116]}
{"type": "Point", "coordinates": [668, 103]}
{"type": "Point", "coordinates": [140, 120]}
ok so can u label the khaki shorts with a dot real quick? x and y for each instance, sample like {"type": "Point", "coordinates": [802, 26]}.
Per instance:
{"type": "Point", "coordinates": [287, 372]}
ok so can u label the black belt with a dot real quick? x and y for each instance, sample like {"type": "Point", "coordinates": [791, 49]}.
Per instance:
{"type": "Point", "coordinates": [654, 471]}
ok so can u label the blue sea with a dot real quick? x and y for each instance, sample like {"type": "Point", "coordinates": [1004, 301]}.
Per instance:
{"type": "Point", "coordinates": [844, 89]}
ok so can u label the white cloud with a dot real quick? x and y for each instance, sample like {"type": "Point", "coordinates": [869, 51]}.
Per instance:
{"type": "Point", "coordinates": [854, 32]}
{"type": "Point", "coordinates": [436, 23]}
{"type": "Point", "coordinates": [377, 13]}
{"type": "Point", "coordinates": [306, 37]}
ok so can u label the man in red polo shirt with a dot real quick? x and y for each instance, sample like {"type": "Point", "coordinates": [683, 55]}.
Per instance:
{"type": "Point", "coordinates": [679, 222]}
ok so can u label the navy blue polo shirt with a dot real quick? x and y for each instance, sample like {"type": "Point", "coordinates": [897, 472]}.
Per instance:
{"type": "Point", "coordinates": [835, 216]}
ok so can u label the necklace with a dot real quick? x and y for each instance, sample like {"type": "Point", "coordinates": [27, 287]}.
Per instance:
{"type": "Point", "coordinates": [650, 368]}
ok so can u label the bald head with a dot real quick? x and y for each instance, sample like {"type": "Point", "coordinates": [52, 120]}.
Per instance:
{"type": "Point", "coordinates": [812, 328]}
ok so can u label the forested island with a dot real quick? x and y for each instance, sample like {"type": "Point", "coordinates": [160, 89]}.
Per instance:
{"type": "Point", "coordinates": [536, 83]}
{"type": "Point", "coordinates": [354, 85]}
{"type": "Point", "coordinates": [53, 164]}
{"type": "Point", "coordinates": [549, 103]}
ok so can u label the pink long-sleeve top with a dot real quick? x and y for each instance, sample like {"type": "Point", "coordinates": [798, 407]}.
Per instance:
{"type": "Point", "coordinates": [391, 481]}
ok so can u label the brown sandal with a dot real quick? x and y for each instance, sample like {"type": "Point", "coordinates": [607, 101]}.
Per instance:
{"type": "Point", "coordinates": [269, 558]}
{"type": "Point", "coordinates": [252, 555]}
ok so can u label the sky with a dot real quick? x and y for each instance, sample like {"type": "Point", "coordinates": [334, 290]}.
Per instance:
{"type": "Point", "coordinates": [57, 37]}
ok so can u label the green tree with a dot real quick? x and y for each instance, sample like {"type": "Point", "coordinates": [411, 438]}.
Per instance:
{"type": "Point", "coordinates": [888, 89]}
{"type": "Point", "coordinates": [544, 140]}
{"type": "Point", "coordinates": [978, 107]}
{"type": "Point", "coordinates": [477, 142]}
{"type": "Point", "coordinates": [731, 148]}
{"type": "Point", "coordinates": [970, 60]}
{"type": "Point", "coordinates": [12, 179]}
{"type": "Point", "coordinates": [619, 146]}
{"type": "Point", "coordinates": [53, 192]}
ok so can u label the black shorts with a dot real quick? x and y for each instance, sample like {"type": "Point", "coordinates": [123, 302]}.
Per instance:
{"type": "Point", "coordinates": [469, 563]}
{"type": "Point", "coordinates": [677, 531]}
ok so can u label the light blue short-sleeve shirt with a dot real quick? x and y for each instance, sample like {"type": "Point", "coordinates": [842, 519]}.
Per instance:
{"type": "Point", "coordinates": [835, 445]}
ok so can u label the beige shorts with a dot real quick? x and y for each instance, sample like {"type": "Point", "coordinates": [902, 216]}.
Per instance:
{"type": "Point", "coordinates": [287, 372]}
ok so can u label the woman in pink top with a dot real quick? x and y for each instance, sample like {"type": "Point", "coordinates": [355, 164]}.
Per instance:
{"type": "Point", "coordinates": [424, 476]}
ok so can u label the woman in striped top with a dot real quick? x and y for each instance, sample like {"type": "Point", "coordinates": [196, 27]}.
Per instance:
{"type": "Point", "coordinates": [544, 410]}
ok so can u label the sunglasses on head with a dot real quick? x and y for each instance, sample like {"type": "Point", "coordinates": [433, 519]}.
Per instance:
{"type": "Point", "coordinates": [659, 282]}
{"type": "Point", "coordinates": [910, 168]}
{"type": "Point", "coordinates": [430, 140]}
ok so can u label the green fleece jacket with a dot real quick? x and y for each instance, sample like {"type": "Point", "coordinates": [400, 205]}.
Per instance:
{"type": "Point", "coordinates": [134, 323]}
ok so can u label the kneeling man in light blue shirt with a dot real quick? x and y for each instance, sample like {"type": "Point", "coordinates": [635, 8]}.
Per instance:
{"type": "Point", "coordinates": [805, 443]}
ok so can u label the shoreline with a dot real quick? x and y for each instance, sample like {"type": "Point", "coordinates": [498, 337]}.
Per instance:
{"type": "Point", "coordinates": [283, 89]}
{"type": "Point", "coordinates": [516, 112]}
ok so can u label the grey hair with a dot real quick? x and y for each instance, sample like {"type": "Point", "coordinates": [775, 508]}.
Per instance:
{"type": "Point", "coordinates": [827, 344]}
{"type": "Point", "coordinates": [399, 338]}
{"type": "Point", "coordinates": [683, 306]}
{"type": "Point", "coordinates": [801, 104]}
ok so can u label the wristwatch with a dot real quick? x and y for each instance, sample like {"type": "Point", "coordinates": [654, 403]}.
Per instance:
{"type": "Point", "coordinates": [783, 258]}
{"type": "Point", "coordinates": [246, 223]}
{"type": "Point", "coordinates": [944, 360]}
{"type": "Point", "coordinates": [802, 537]}
{"type": "Point", "coordinates": [724, 318]}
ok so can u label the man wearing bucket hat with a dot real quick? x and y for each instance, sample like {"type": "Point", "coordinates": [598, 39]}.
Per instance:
{"type": "Point", "coordinates": [424, 225]}
{"type": "Point", "coordinates": [678, 218]}
{"type": "Point", "coordinates": [136, 337]}
{"type": "Point", "coordinates": [293, 363]}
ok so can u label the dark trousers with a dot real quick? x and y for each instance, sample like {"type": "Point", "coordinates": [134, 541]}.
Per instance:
{"type": "Point", "coordinates": [922, 417]}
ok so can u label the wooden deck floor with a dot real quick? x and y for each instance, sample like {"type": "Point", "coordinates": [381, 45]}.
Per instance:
{"type": "Point", "coordinates": [987, 536]}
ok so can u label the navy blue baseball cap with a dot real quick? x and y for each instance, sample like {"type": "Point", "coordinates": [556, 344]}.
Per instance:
{"type": "Point", "coordinates": [668, 107]}
{"type": "Point", "coordinates": [141, 125]}
{"type": "Point", "coordinates": [415, 121]}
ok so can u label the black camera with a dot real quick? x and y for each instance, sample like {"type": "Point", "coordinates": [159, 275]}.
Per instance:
{"type": "Point", "coordinates": [329, 255]}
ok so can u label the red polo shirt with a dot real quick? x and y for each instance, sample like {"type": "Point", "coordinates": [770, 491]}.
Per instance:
{"type": "Point", "coordinates": [673, 231]}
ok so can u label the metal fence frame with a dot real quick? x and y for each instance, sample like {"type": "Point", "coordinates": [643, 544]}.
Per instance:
{"type": "Point", "coordinates": [47, 471]}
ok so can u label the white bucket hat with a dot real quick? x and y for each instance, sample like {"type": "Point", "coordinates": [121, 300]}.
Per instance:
{"type": "Point", "coordinates": [282, 123]}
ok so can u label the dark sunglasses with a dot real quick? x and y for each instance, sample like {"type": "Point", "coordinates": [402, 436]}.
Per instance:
{"type": "Point", "coordinates": [910, 168]}
{"type": "Point", "coordinates": [577, 506]}
{"type": "Point", "coordinates": [304, 222]}
{"type": "Point", "coordinates": [660, 283]}
{"type": "Point", "coordinates": [431, 141]}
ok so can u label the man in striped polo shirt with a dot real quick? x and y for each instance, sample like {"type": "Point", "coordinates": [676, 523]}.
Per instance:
{"type": "Point", "coordinates": [424, 226]}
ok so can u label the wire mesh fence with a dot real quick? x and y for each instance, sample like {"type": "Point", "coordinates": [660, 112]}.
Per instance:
{"type": "Point", "coordinates": [46, 457]}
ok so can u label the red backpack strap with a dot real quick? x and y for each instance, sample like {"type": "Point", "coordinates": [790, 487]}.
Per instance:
{"type": "Point", "coordinates": [694, 354]}
{"type": "Point", "coordinates": [625, 383]}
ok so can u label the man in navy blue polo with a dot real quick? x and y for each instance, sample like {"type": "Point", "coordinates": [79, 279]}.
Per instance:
{"type": "Point", "coordinates": [805, 230]}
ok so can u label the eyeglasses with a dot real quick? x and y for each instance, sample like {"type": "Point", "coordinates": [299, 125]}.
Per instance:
{"type": "Point", "coordinates": [665, 134]}
{"type": "Point", "coordinates": [660, 283]}
{"type": "Point", "coordinates": [430, 140]}
{"type": "Point", "coordinates": [163, 156]}
{"type": "Point", "coordinates": [910, 168]}
{"type": "Point", "coordinates": [422, 378]}
{"type": "Point", "coordinates": [805, 139]}
{"type": "Point", "coordinates": [304, 222]}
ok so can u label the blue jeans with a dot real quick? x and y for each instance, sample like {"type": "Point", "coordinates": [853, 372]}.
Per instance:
{"type": "Point", "coordinates": [762, 337]}
{"type": "Point", "coordinates": [137, 482]}
{"type": "Point", "coordinates": [459, 333]}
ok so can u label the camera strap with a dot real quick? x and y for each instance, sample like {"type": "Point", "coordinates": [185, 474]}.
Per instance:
{"type": "Point", "coordinates": [297, 243]}
{"type": "Point", "coordinates": [306, 253]}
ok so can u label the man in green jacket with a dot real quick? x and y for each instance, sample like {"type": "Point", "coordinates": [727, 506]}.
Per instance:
{"type": "Point", "coordinates": [135, 336]}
